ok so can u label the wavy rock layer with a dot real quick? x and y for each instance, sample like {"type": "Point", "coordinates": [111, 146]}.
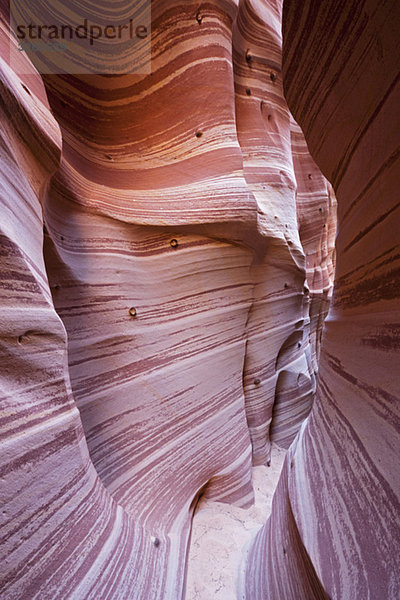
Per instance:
{"type": "Point", "coordinates": [316, 216]}
{"type": "Point", "coordinates": [62, 535]}
{"type": "Point", "coordinates": [171, 328]}
{"type": "Point", "coordinates": [334, 529]}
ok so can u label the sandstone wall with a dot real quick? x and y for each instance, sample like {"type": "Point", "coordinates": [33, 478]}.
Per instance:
{"type": "Point", "coordinates": [186, 195]}
{"type": "Point", "coordinates": [61, 533]}
{"type": "Point", "coordinates": [334, 530]}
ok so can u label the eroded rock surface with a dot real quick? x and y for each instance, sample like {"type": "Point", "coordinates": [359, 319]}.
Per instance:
{"type": "Point", "coordinates": [334, 529]}
{"type": "Point", "coordinates": [164, 328]}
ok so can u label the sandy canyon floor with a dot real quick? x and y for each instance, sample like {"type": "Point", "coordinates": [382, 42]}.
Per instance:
{"type": "Point", "coordinates": [221, 536]}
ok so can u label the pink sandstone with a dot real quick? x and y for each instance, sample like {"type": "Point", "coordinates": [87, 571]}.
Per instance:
{"type": "Point", "coordinates": [167, 261]}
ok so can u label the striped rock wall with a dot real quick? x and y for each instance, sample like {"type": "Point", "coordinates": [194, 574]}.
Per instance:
{"type": "Point", "coordinates": [316, 217]}
{"type": "Point", "coordinates": [276, 352]}
{"type": "Point", "coordinates": [334, 530]}
{"type": "Point", "coordinates": [164, 336]}
{"type": "Point", "coordinates": [62, 534]}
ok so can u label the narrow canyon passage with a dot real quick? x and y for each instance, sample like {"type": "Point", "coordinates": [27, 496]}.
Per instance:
{"type": "Point", "coordinates": [168, 254]}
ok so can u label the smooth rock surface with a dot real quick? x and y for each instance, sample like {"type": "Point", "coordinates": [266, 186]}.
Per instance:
{"type": "Point", "coordinates": [334, 529]}
{"type": "Point", "coordinates": [165, 274]}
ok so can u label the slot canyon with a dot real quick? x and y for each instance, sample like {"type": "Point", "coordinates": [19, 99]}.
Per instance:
{"type": "Point", "coordinates": [199, 308]}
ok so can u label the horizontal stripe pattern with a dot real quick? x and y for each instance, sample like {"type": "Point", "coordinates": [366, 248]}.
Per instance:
{"type": "Point", "coordinates": [156, 330]}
